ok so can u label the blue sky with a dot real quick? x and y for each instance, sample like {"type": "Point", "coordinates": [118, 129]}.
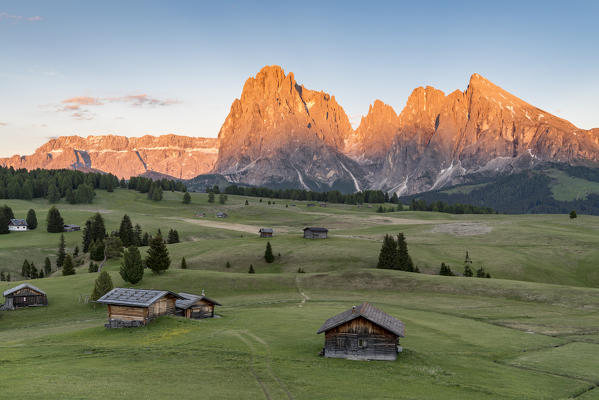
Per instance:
{"type": "Point", "coordinates": [141, 67]}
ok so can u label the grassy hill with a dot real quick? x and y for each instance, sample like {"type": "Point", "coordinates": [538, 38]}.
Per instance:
{"type": "Point", "coordinates": [533, 334]}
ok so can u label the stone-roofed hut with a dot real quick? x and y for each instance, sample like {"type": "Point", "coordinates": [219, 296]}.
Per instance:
{"type": "Point", "coordinates": [195, 306]}
{"type": "Point", "coordinates": [265, 232]}
{"type": "Point", "coordinates": [136, 307]}
{"type": "Point", "coordinates": [24, 295]}
{"type": "Point", "coordinates": [362, 333]}
{"type": "Point", "coordinates": [315, 233]}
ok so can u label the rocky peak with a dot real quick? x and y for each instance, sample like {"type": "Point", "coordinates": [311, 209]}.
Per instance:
{"type": "Point", "coordinates": [375, 133]}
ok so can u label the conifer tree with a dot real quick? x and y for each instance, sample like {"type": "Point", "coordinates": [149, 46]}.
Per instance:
{"type": "Point", "coordinates": [76, 251]}
{"type": "Point", "coordinates": [61, 254]}
{"type": "Point", "coordinates": [132, 269]}
{"type": "Point", "coordinates": [4, 224]}
{"type": "Point", "coordinates": [98, 230]}
{"type": "Point", "coordinates": [96, 250]}
{"type": "Point", "coordinates": [222, 198]}
{"type": "Point", "coordinates": [480, 273]}
{"type": "Point", "coordinates": [102, 285]}
{"type": "Point", "coordinates": [404, 261]}
{"type": "Point", "coordinates": [40, 274]}
{"type": "Point", "coordinates": [573, 214]}
{"type": "Point", "coordinates": [388, 253]}
{"type": "Point", "coordinates": [210, 197]}
{"type": "Point", "coordinates": [53, 195]}
{"type": "Point", "coordinates": [183, 263]}
{"type": "Point", "coordinates": [145, 241]}
{"type": "Point", "coordinates": [158, 259]}
{"type": "Point", "coordinates": [25, 269]}
{"type": "Point", "coordinates": [47, 266]}
{"type": "Point", "coordinates": [468, 265]}
{"type": "Point", "coordinates": [228, 265]}
{"type": "Point", "coordinates": [2, 277]}
{"type": "Point", "coordinates": [68, 268]}
{"type": "Point", "coordinates": [33, 273]}
{"type": "Point", "coordinates": [8, 277]}
{"type": "Point", "coordinates": [137, 233]}
{"type": "Point", "coordinates": [126, 232]}
{"type": "Point", "coordinates": [268, 256]}
{"type": "Point", "coordinates": [251, 270]}
{"type": "Point", "coordinates": [186, 198]}
{"type": "Point", "coordinates": [87, 236]}
{"type": "Point", "coordinates": [445, 270]}
{"type": "Point", "coordinates": [31, 219]}
{"type": "Point", "coordinates": [173, 236]}
{"type": "Point", "coordinates": [247, 203]}
{"type": "Point", "coordinates": [7, 211]}
{"type": "Point", "coordinates": [55, 223]}
{"type": "Point", "coordinates": [93, 267]}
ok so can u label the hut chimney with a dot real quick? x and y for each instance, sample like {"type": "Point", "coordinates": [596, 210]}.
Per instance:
{"type": "Point", "coordinates": [202, 292]}
{"type": "Point", "coordinates": [353, 309]}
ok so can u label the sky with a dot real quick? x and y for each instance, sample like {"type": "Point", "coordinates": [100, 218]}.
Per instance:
{"type": "Point", "coordinates": [156, 67]}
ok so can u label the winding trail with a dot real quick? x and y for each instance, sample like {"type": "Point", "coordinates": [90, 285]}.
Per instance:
{"type": "Point", "coordinates": [305, 297]}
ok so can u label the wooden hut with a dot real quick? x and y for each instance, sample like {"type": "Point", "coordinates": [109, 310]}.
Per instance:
{"type": "Point", "coordinates": [71, 228]}
{"type": "Point", "coordinates": [195, 307]}
{"type": "Point", "coordinates": [24, 295]}
{"type": "Point", "coordinates": [362, 333]}
{"type": "Point", "coordinates": [265, 232]}
{"type": "Point", "coordinates": [129, 308]}
{"type": "Point", "coordinates": [315, 233]}
{"type": "Point", "coordinates": [16, 225]}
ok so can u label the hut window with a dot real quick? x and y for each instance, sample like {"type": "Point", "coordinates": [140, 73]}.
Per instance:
{"type": "Point", "coordinates": [362, 343]}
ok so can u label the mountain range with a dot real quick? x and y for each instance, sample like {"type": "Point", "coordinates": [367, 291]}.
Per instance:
{"type": "Point", "coordinates": [280, 134]}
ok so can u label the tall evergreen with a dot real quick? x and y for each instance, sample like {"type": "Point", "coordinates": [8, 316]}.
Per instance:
{"type": "Point", "coordinates": [102, 285]}
{"type": "Point", "coordinates": [33, 274]}
{"type": "Point", "coordinates": [573, 214]}
{"type": "Point", "coordinates": [137, 233]}
{"type": "Point", "coordinates": [145, 241]}
{"type": "Point", "coordinates": [55, 223]}
{"type": "Point", "coordinates": [222, 198]}
{"type": "Point", "coordinates": [251, 270]}
{"type": "Point", "coordinates": [404, 261]}
{"type": "Point", "coordinates": [4, 224]}
{"type": "Point", "coordinates": [183, 263]}
{"type": "Point", "coordinates": [68, 268]}
{"type": "Point", "coordinates": [126, 232]}
{"type": "Point", "coordinates": [468, 266]}
{"type": "Point", "coordinates": [53, 195]}
{"type": "Point", "coordinates": [173, 236]}
{"type": "Point", "coordinates": [445, 270]}
{"type": "Point", "coordinates": [210, 197]}
{"type": "Point", "coordinates": [132, 269]}
{"type": "Point", "coordinates": [388, 253]}
{"type": "Point", "coordinates": [76, 251]}
{"type": "Point", "coordinates": [268, 256]}
{"type": "Point", "coordinates": [186, 198]}
{"type": "Point", "coordinates": [61, 254]}
{"type": "Point", "coordinates": [158, 259]}
{"type": "Point", "coordinates": [98, 230]}
{"type": "Point", "coordinates": [7, 211]}
{"type": "Point", "coordinates": [87, 236]}
{"type": "Point", "coordinates": [96, 250]}
{"type": "Point", "coordinates": [47, 266]}
{"type": "Point", "coordinates": [25, 269]}
{"type": "Point", "coordinates": [31, 219]}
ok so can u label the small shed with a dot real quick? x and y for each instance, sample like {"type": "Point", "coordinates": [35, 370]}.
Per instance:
{"type": "Point", "coordinates": [195, 306]}
{"type": "Point", "coordinates": [71, 228]}
{"type": "Point", "coordinates": [24, 295]}
{"type": "Point", "coordinates": [265, 232]}
{"type": "Point", "coordinates": [16, 225]}
{"type": "Point", "coordinates": [221, 215]}
{"type": "Point", "coordinates": [129, 308]}
{"type": "Point", "coordinates": [315, 233]}
{"type": "Point", "coordinates": [362, 333]}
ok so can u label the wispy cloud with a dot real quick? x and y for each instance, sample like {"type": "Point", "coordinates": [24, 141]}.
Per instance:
{"type": "Point", "coordinates": [140, 100]}
{"type": "Point", "coordinates": [83, 101]}
{"type": "Point", "coordinates": [79, 106]}
{"type": "Point", "coordinates": [4, 16]}
{"type": "Point", "coordinates": [3, 124]}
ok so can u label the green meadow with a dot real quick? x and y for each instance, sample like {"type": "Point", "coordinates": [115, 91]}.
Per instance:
{"type": "Point", "coordinates": [530, 332]}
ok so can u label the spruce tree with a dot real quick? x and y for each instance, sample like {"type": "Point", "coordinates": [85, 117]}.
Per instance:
{"type": "Point", "coordinates": [268, 256]}
{"type": "Point", "coordinates": [404, 261]}
{"type": "Point", "coordinates": [4, 224]}
{"type": "Point", "coordinates": [251, 270]}
{"type": "Point", "coordinates": [222, 198]}
{"type": "Point", "coordinates": [158, 259]}
{"type": "Point", "coordinates": [31, 219]}
{"type": "Point", "coordinates": [186, 198]}
{"type": "Point", "coordinates": [54, 221]}
{"type": "Point", "coordinates": [445, 270]}
{"type": "Point", "coordinates": [87, 236]}
{"type": "Point", "coordinates": [7, 211]}
{"type": "Point", "coordinates": [93, 267]}
{"type": "Point", "coordinates": [228, 265]}
{"type": "Point", "coordinates": [98, 230]}
{"type": "Point", "coordinates": [388, 253]}
{"type": "Point", "coordinates": [61, 254]}
{"type": "Point", "coordinates": [96, 250]}
{"type": "Point", "coordinates": [173, 236]}
{"type": "Point", "coordinates": [137, 234]}
{"type": "Point", "coordinates": [480, 273]}
{"type": "Point", "coordinates": [145, 241]}
{"type": "Point", "coordinates": [33, 274]}
{"type": "Point", "coordinates": [183, 263]}
{"type": "Point", "coordinates": [102, 285]}
{"type": "Point", "coordinates": [573, 214]}
{"type": "Point", "coordinates": [210, 197]}
{"type": "Point", "coordinates": [68, 268]}
{"type": "Point", "coordinates": [47, 266]}
{"type": "Point", "coordinates": [2, 277]}
{"type": "Point", "coordinates": [468, 266]}
{"type": "Point", "coordinates": [53, 194]}
{"type": "Point", "coordinates": [25, 269]}
{"type": "Point", "coordinates": [76, 251]}
{"type": "Point", "coordinates": [247, 203]}
{"type": "Point", "coordinates": [132, 269]}
{"type": "Point", "coordinates": [126, 232]}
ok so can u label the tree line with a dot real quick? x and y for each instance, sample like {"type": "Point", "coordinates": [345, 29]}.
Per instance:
{"type": "Point", "coordinates": [440, 206]}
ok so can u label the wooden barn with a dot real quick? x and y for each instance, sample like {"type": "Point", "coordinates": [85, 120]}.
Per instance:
{"type": "Point", "coordinates": [315, 233]}
{"type": "Point", "coordinates": [266, 232]}
{"type": "Point", "coordinates": [16, 225]}
{"type": "Point", "coordinates": [24, 295]}
{"type": "Point", "coordinates": [362, 333]}
{"type": "Point", "coordinates": [129, 308]}
{"type": "Point", "coordinates": [195, 307]}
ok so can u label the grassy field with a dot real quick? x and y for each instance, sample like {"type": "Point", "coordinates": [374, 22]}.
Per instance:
{"type": "Point", "coordinates": [532, 335]}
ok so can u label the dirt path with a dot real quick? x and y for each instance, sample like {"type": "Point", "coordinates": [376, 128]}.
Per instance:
{"type": "Point", "coordinates": [224, 225]}
{"type": "Point", "coordinates": [301, 292]}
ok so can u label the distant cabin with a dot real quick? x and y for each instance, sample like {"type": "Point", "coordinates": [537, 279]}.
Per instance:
{"type": "Point", "coordinates": [323, 204]}
{"type": "Point", "coordinates": [362, 333]}
{"type": "Point", "coordinates": [265, 232]}
{"type": "Point", "coordinates": [71, 228]}
{"type": "Point", "coordinates": [221, 215]}
{"type": "Point", "coordinates": [129, 308]}
{"type": "Point", "coordinates": [315, 233]}
{"type": "Point", "coordinates": [195, 306]}
{"type": "Point", "coordinates": [16, 225]}
{"type": "Point", "coordinates": [24, 295]}
{"type": "Point", "coordinates": [310, 205]}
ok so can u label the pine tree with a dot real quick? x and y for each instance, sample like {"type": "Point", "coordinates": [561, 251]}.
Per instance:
{"type": "Point", "coordinates": [2, 277]}
{"type": "Point", "coordinates": [183, 263]}
{"type": "Point", "coordinates": [70, 196]}
{"type": "Point", "coordinates": [468, 265]}
{"type": "Point", "coordinates": [251, 270]}
{"type": "Point", "coordinates": [4, 224]}
{"type": "Point", "coordinates": [96, 250]}
{"type": "Point", "coordinates": [445, 270]}
{"type": "Point", "coordinates": [158, 259]}
{"type": "Point", "coordinates": [222, 198]}
{"type": "Point", "coordinates": [76, 251]}
{"type": "Point", "coordinates": [210, 197]}
{"type": "Point", "coordinates": [33, 274]}
{"type": "Point", "coordinates": [47, 266]}
{"type": "Point", "coordinates": [98, 230]}
{"type": "Point", "coordinates": [53, 195]}
{"type": "Point", "coordinates": [40, 274]}
{"type": "Point", "coordinates": [54, 221]}
{"type": "Point", "coordinates": [87, 236]}
{"type": "Point", "coordinates": [573, 214]}
{"type": "Point", "coordinates": [132, 269]}
{"type": "Point", "coordinates": [247, 203]}
{"type": "Point", "coordinates": [137, 233]}
{"type": "Point", "coordinates": [480, 273]}
{"type": "Point", "coordinates": [186, 198]}
{"type": "Point", "coordinates": [268, 256]}
{"type": "Point", "coordinates": [31, 219]}
{"type": "Point", "coordinates": [126, 232]}
{"type": "Point", "coordinates": [68, 268]}
{"type": "Point", "coordinates": [404, 261]}
{"type": "Point", "coordinates": [228, 265]}
{"type": "Point", "coordinates": [388, 253]}
{"type": "Point", "coordinates": [113, 247]}
{"type": "Point", "coordinates": [173, 236]}
{"type": "Point", "coordinates": [93, 267]}
{"type": "Point", "coordinates": [61, 254]}
{"type": "Point", "coordinates": [102, 285]}
{"type": "Point", "coordinates": [25, 269]}
{"type": "Point", "coordinates": [145, 241]}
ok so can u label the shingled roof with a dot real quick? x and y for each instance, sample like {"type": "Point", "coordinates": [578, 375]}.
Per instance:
{"type": "Point", "coordinates": [23, 286]}
{"type": "Point", "coordinates": [134, 297]}
{"type": "Point", "coordinates": [316, 229]}
{"type": "Point", "coordinates": [189, 300]}
{"type": "Point", "coordinates": [17, 222]}
{"type": "Point", "coordinates": [371, 313]}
